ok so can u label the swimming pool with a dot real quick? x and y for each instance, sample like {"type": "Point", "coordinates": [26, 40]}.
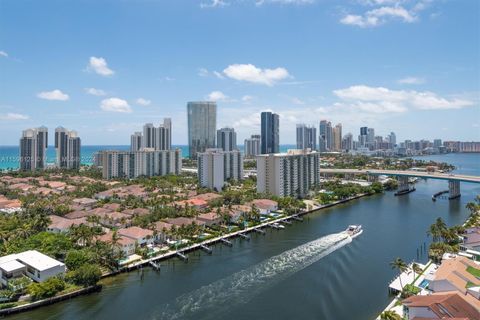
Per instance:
{"type": "Point", "coordinates": [424, 284]}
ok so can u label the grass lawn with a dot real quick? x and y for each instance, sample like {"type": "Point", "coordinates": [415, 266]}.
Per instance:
{"type": "Point", "coordinates": [473, 271]}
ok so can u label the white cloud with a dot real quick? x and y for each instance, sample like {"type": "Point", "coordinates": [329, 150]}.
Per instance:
{"type": "Point", "coordinates": [99, 66]}
{"type": "Point", "coordinates": [115, 105]}
{"type": "Point", "coordinates": [292, 2]}
{"type": "Point", "coordinates": [13, 116]}
{"type": "Point", "coordinates": [214, 4]}
{"type": "Point", "coordinates": [383, 100]}
{"type": "Point", "coordinates": [95, 92]}
{"type": "Point", "coordinates": [247, 98]}
{"type": "Point", "coordinates": [250, 73]}
{"type": "Point", "coordinates": [53, 95]}
{"type": "Point", "coordinates": [385, 10]}
{"type": "Point", "coordinates": [218, 75]}
{"type": "Point", "coordinates": [411, 80]}
{"type": "Point", "coordinates": [297, 101]}
{"type": "Point", "coordinates": [3, 54]}
{"type": "Point", "coordinates": [217, 96]}
{"type": "Point", "coordinates": [202, 72]}
{"type": "Point", "coordinates": [143, 102]}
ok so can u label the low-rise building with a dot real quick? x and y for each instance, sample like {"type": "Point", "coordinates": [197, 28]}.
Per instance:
{"type": "Point", "coordinates": [122, 243]}
{"type": "Point", "coordinates": [265, 206]}
{"type": "Point", "coordinates": [455, 275]}
{"type": "Point", "coordinates": [210, 218]}
{"type": "Point", "coordinates": [440, 306]}
{"type": "Point", "coordinates": [61, 225]}
{"type": "Point", "coordinates": [31, 263]}
{"type": "Point", "coordinates": [142, 236]}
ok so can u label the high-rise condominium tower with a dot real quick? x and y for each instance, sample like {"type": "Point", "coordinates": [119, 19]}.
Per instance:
{"type": "Point", "coordinates": [325, 136]}
{"type": "Point", "coordinates": [252, 146]}
{"type": "Point", "coordinates": [216, 166]}
{"type": "Point", "coordinates": [33, 149]}
{"type": "Point", "coordinates": [136, 141]}
{"type": "Point", "coordinates": [337, 137]}
{"type": "Point", "coordinates": [157, 138]}
{"type": "Point", "coordinates": [306, 137]}
{"type": "Point", "coordinates": [202, 122]}
{"type": "Point", "coordinates": [227, 139]}
{"type": "Point", "coordinates": [270, 138]}
{"type": "Point", "coordinates": [67, 146]}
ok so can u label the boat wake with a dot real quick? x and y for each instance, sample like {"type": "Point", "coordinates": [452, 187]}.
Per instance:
{"type": "Point", "coordinates": [212, 300]}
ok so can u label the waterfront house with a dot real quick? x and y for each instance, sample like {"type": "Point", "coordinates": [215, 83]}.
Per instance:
{"type": "Point", "coordinates": [182, 221]}
{"type": "Point", "coordinates": [33, 264]}
{"type": "Point", "coordinates": [162, 229]}
{"type": "Point", "coordinates": [441, 306]}
{"type": "Point", "coordinates": [123, 244]}
{"type": "Point", "coordinates": [456, 275]}
{"type": "Point", "coordinates": [193, 203]}
{"type": "Point", "coordinates": [210, 218]}
{"type": "Point", "coordinates": [265, 206]}
{"type": "Point", "coordinates": [61, 225]}
{"type": "Point", "coordinates": [143, 237]}
{"type": "Point", "coordinates": [238, 211]}
{"type": "Point", "coordinates": [136, 212]}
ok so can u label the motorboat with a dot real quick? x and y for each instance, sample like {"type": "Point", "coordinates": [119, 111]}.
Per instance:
{"type": "Point", "coordinates": [354, 230]}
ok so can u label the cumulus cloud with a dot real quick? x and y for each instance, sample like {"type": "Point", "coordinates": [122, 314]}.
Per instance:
{"type": "Point", "coordinates": [217, 96]}
{"type": "Point", "coordinates": [3, 54]}
{"type": "Point", "coordinates": [53, 95]}
{"type": "Point", "coordinates": [99, 66]}
{"type": "Point", "coordinates": [252, 74]}
{"type": "Point", "coordinates": [95, 92]}
{"type": "Point", "coordinates": [384, 100]}
{"type": "Point", "coordinates": [13, 116]}
{"type": "Point", "coordinates": [143, 102]}
{"type": "Point", "coordinates": [213, 4]}
{"type": "Point", "coordinates": [115, 105]}
{"type": "Point", "coordinates": [411, 80]}
{"type": "Point", "coordinates": [384, 11]}
{"type": "Point", "coordinates": [247, 98]}
{"type": "Point", "coordinates": [202, 72]}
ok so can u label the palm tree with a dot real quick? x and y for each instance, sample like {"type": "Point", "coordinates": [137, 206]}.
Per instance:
{"type": "Point", "coordinates": [390, 315]}
{"type": "Point", "coordinates": [416, 269]}
{"type": "Point", "coordinates": [401, 266]}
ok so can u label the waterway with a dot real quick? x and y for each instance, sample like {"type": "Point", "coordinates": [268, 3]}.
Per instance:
{"type": "Point", "coordinates": [306, 271]}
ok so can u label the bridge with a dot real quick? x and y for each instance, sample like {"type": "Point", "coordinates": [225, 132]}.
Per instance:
{"type": "Point", "coordinates": [403, 175]}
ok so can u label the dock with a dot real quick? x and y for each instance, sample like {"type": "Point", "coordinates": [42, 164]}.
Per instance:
{"type": "Point", "coordinates": [259, 231]}
{"type": "Point", "coordinates": [154, 265]}
{"type": "Point", "coordinates": [206, 249]}
{"type": "Point", "coordinates": [297, 218]}
{"type": "Point", "coordinates": [244, 236]}
{"type": "Point", "coordinates": [226, 242]}
{"type": "Point", "coordinates": [182, 256]}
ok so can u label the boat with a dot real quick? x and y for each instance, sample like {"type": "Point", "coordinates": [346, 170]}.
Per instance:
{"type": "Point", "coordinates": [278, 225]}
{"type": "Point", "coordinates": [354, 231]}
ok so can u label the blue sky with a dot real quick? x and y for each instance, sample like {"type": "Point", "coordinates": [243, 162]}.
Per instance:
{"type": "Point", "coordinates": [105, 67]}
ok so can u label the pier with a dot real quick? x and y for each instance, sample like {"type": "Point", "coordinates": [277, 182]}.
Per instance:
{"type": "Point", "coordinates": [244, 236]}
{"type": "Point", "coordinates": [155, 266]}
{"type": "Point", "coordinates": [226, 242]}
{"type": "Point", "coordinates": [206, 249]}
{"type": "Point", "coordinates": [182, 256]}
{"type": "Point", "coordinates": [297, 218]}
{"type": "Point", "coordinates": [259, 231]}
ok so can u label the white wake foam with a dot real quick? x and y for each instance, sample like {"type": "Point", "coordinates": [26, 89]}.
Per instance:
{"type": "Point", "coordinates": [212, 300]}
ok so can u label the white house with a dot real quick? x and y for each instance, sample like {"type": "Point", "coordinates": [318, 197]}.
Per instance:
{"type": "Point", "coordinates": [33, 264]}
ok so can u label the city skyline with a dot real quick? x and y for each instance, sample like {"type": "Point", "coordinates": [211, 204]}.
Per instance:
{"type": "Point", "coordinates": [107, 90]}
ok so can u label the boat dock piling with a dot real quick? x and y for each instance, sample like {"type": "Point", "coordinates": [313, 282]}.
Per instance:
{"type": "Point", "coordinates": [287, 222]}
{"type": "Point", "coordinates": [182, 256]}
{"type": "Point", "coordinates": [244, 236]}
{"type": "Point", "coordinates": [259, 231]}
{"type": "Point", "coordinates": [226, 242]}
{"type": "Point", "coordinates": [297, 218]}
{"type": "Point", "coordinates": [155, 266]}
{"type": "Point", "coordinates": [206, 249]}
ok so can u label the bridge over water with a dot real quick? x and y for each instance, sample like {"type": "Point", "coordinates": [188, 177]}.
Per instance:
{"type": "Point", "coordinates": [403, 175]}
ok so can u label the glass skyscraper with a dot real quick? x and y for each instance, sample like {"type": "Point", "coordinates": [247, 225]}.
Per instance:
{"type": "Point", "coordinates": [202, 122]}
{"type": "Point", "coordinates": [270, 133]}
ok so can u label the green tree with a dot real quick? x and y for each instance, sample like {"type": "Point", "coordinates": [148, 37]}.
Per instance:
{"type": "Point", "coordinates": [400, 265]}
{"type": "Point", "coordinates": [77, 258]}
{"type": "Point", "coordinates": [390, 315]}
{"type": "Point", "coordinates": [86, 275]}
{"type": "Point", "coordinates": [46, 289]}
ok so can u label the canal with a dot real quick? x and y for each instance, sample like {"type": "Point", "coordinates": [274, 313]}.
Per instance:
{"type": "Point", "coordinates": [276, 276]}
